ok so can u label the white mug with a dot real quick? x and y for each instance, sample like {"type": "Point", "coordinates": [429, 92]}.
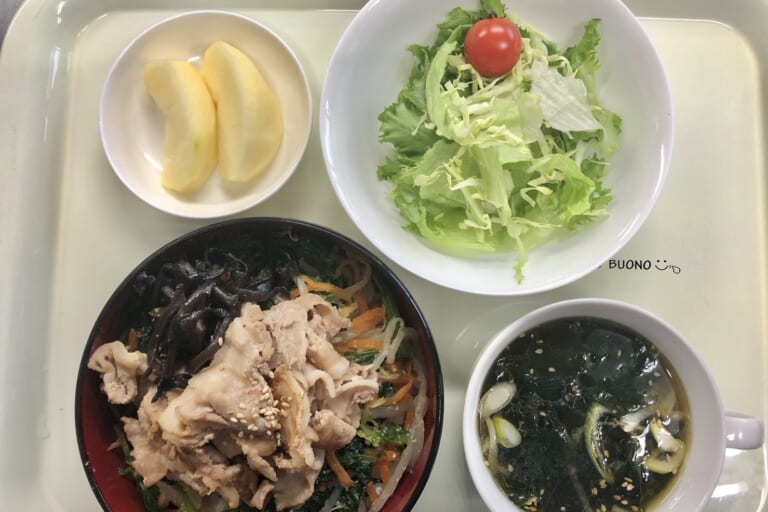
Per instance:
{"type": "Point", "coordinates": [712, 429]}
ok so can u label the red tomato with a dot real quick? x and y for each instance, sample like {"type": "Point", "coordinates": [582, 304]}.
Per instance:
{"type": "Point", "coordinates": [492, 46]}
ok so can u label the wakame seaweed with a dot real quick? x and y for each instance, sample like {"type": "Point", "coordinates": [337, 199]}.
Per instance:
{"type": "Point", "coordinates": [577, 381]}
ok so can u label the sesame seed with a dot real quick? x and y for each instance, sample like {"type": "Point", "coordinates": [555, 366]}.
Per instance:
{"type": "Point", "coordinates": [539, 342]}
{"type": "Point", "coordinates": [539, 350]}
{"type": "Point", "coordinates": [606, 453]}
{"type": "Point", "coordinates": [630, 487]}
{"type": "Point", "coordinates": [625, 502]}
{"type": "Point", "coordinates": [618, 354]}
{"type": "Point", "coordinates": [594, 491]}
{"type": "Point", "coordinates": [240, 415]}
{"type": "Point", "coordinates": [233, 419]}
{"type": "Point", "coordinates": [551, 370]}
{"type": "Point", "coordinates": [530, 372]}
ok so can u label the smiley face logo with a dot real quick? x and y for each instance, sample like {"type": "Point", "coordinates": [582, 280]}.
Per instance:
{"type": "Point", "coordinates": [661, 265]}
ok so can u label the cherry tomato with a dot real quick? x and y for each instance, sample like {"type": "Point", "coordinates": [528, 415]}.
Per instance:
{"type": "Point", "coordinates": [492, 46]}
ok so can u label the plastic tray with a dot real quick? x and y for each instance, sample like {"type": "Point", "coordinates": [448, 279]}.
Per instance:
{"type": "Point", "coordinates": [69, 230]}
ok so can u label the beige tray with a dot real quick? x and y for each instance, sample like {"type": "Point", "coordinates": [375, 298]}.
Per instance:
{"type": "Point", "coordinates": [69, 230]}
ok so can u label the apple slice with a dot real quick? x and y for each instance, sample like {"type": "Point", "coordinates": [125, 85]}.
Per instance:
{"type": "Point", "coordinates": [189, 154]}
{"type": "Point", "coordinates": [248, 115]}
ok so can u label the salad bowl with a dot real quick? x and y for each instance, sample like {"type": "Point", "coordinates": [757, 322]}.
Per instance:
{"type": "Point", "coordinates": [630, 81]}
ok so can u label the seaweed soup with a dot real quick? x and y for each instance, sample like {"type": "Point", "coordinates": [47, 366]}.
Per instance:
{"type": "Point", "coordinates": [582, 414]}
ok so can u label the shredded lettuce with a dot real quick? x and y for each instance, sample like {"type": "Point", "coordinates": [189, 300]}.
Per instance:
{"type": "Point", "coordinates": [485, 165]}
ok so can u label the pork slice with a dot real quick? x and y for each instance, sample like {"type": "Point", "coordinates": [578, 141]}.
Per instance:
{"type": "Point", "coordinates": [358, 387]}
{"type": "Point", "coordinates": [294, 487]}
{"type": "Point", "coordinates": [231, 393]}
{"type": "Point", "coordinates": [296, 435]}
{"type": "Point", "coordinates": [256, 450]}
{"type": "Point", "coordinates": [119, 371]}
{"type": "Point", "coordinates": [207, 471]}
{"type": "Point", "coordinates": [259, 499]}
{"type": "Point", "coordinates": [322, 354]}
{"type": "Point", "coordinates": [287, 324]}
{"type": "Point", "coordinates": [323, 384]}
{"type": "Point", "coordinates": [332, 431]}
{"type": "Point", "coordinates": [251, 337]}
{"type": "Point", "coordinates": [326, 320]}
{"type": "Point", "coordinates": [148, 460]}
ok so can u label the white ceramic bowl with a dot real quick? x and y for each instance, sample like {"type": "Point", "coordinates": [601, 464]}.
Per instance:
{"type": "Point", "coordinates": [711, 428]}
{"type": "Point", "coordinates": [132, 127]}
{"type": "Point", "coordinates": [370, 66]}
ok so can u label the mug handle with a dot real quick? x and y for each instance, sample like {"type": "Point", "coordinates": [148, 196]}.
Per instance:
{"type": "Point", "coordinates": [743, 432]}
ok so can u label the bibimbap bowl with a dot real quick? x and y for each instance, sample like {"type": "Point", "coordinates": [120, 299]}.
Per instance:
{"type": "Point", "coordinates": [200, 275]}
{"type": "Point", "coordinates": [596, 403]}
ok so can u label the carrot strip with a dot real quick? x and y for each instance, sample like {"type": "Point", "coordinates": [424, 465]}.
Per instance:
{"type": "Point", "coordinates": [362, 301]}
{"type": "Point", "coordinates": [341, 474]}
{"type": "Point", "coordinates": [400, 394]}
{"type": "Point", "coordinates": [401, 378]}
{"type": "Point", "coordinates": [372, 492]}
{"type": "Point", "coordinates": [358, 344]}
{"type": "Point", "coordinates": [382, 466]}
{"type": "Point", "coordinates": [133, 340]}
{"type": "Point", "coordinates": [320, 286]}
{"type": "Point", "coordinates": [389, 455]}
{"type": "Point", "coordinates": [408, 421]}
{"type": "Point", "coordinates": [368, 320]}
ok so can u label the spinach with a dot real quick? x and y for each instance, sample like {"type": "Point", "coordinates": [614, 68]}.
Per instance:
{"type": "Point", "coordinates": [377, 433]}
{"type": "Point", "coordinates": [358, 465]}
{"type": "Point", "coordinates": [361, 356]}
{"type": "Point", "coordinates": [386, 389]}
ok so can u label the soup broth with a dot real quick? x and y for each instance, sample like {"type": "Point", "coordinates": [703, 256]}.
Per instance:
{"type": "Point", "coordinates": [582, 414]}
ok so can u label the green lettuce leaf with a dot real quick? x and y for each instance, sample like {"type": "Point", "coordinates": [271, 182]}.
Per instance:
{"type": "Point", "coordinates": [485, 166]}
{"type": "Point", "coordinates": [583, 58]}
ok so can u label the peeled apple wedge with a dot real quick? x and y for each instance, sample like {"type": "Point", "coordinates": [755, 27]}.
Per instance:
{"type": "Point", "coordinates": [190, 148]}
{"type": "Point", "coordinates": [248, 115]}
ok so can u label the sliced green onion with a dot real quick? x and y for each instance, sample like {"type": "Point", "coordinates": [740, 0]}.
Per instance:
{"type": "Point", "coordinates": [496, 398]}
{"type": "Point", "coordinates": [507, 434]}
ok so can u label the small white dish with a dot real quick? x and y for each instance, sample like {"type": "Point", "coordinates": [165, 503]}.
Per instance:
{"type": "Point", "coordinates": [371, 65]}
{"type": "Point", "coordinates": [132, 127]}
{"type": "Point", "coordinates": [711, 430]}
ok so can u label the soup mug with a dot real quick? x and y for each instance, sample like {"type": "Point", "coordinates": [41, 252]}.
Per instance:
{"type": "Point", "coordinates": [712, 429]}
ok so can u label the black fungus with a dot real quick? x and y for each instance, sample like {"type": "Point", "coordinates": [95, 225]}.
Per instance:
{"type": "Point", "coordinates": [187, 303]}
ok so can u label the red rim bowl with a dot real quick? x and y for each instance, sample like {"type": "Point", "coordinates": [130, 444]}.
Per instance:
{"type": "Point", "coordinates": [94, 420]}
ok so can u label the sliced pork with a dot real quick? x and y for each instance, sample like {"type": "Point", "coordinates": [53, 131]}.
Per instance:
{"type": "Point", "coordinates": [257, 421]}
{"type": "Point", "coordinates": [119, 370]}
